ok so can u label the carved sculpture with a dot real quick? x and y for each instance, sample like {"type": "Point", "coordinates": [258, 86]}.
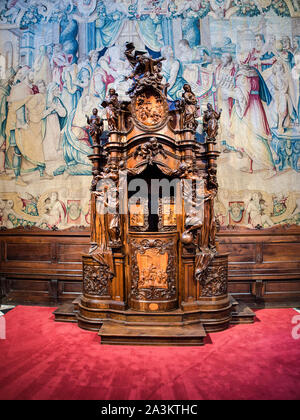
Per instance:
{"type": "Point", "coordinates": [158, 274]}
{"type": "Point", "coordinates": [215, 282]}
{"type": "Point", "coordinates": [113, 215]}
{"type": "Point", "coordinates": [100, 251]}
{"type": "Point", "coordinates": [189, 105]}
{"type": "Point", "coordinates": [146, 70]}
{"type": "Point", "coordinates": [96, 280]}
{"type": "Point", "coordinates": [210, 122]}
{"type": "Point", "coordinates": [149, 109]}
{"type": "Point", "coordinates": [113, 108]}
{"type": "Point", "coordinates": [95, 126]}
{"type": "Point", "coordinates": [150, 150]}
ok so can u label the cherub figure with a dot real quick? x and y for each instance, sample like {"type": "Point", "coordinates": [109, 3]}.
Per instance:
{"type": "Point", "coordinates": [150, 150]}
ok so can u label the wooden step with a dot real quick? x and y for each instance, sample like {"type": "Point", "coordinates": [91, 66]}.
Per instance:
{"type": "Point", "coordinates": [233, 301]}
{"type": "Point", "coordinates": [242, 314]}
{"type": "Point", "coordinates": [76, 303]}
{"type": "Point", "coordinates": [65, 313]}
{"type": "Point", "coordinates": [188, 335]}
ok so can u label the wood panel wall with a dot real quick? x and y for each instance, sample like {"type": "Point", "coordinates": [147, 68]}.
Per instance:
{"type": "Point", "coordinates": [42, 267]}
{"type": "Point", "coordinates": [264, 267]}
{"type": "Point", "coordinates": [45, 267]}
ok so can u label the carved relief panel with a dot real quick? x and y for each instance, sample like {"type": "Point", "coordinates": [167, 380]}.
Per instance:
{"type": "Point", "coordinates": [149, 109]}
{"type": "Point", "coordinates": [153, 267]}
{"type": "Point", "coordinates": [167, 215]}
{"type": "Point", "coordinates": [138, 216]}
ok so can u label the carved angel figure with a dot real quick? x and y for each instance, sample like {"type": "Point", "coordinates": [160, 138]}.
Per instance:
{"type": "Point", "coordinates": [146, 70]}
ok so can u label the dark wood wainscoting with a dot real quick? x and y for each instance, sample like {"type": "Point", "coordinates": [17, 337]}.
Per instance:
{"type": "Point", "coordinates": [45, 267]}
{"type": "Point", "coordinates": [40, 266]}
{"type": "Point", "coordinates": [264, 265]}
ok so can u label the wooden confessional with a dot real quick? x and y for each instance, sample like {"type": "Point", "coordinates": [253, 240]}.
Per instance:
{"type": "Point", "coordinates": [153, 274]}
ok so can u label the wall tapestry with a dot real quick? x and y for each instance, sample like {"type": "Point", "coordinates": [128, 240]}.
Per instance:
{"type": "Point", "coordinates": [59, 58]}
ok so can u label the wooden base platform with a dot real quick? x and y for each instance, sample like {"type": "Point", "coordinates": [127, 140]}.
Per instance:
{"type": "Point", "coordinates": [127, 333]}
{"type": "Point", "coordinates": [190, 335]}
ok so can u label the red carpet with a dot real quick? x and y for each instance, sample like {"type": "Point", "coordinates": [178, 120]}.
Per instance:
{"type": "Point", "coordinates": [41, 359]}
